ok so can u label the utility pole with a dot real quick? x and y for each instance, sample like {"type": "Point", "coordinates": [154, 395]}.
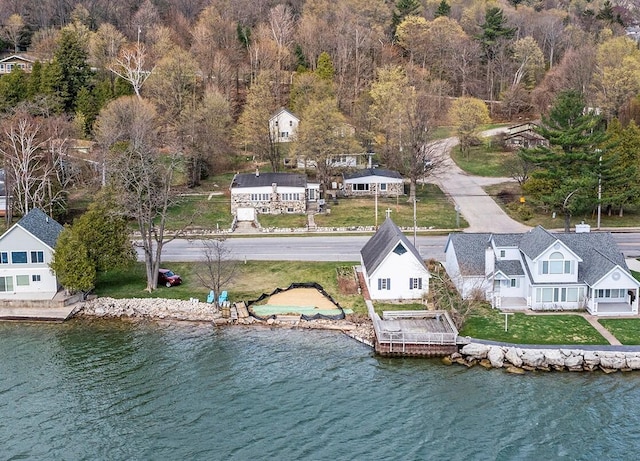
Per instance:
{"type": "Point", "coordinates": [599, 192]}
{"type": "Point", "coordinates": [415, 222]}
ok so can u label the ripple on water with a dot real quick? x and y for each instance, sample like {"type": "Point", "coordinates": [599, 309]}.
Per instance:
{"type": "Point", "coordinates": [120, 391]}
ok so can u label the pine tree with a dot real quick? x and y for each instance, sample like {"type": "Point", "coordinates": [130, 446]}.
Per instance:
{"type": "Point", "coordinates": [72, 59]}
{"type": "Point", "coordinates": [403, 9]}
{"type": "Point", "coordinates": [568, 170]}
{"type": "Point", "coordinates": [444, 9]}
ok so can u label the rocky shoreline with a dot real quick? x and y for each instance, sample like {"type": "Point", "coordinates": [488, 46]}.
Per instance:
{"type": "Point", "coordinates": [519, 359]}
{"type": "Point", "coordinates": [195, 311]}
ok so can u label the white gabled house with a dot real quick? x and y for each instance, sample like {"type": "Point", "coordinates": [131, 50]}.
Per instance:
{"type": "Point", "coordinates": [15, 61]}
{"type": "Point", "coordinates": [26, 250]}
{"type": "Point", "coordinates": [283, 126]}
{"type": "Point", "coordinates": [392, 267]}
{"type": "Point", "coordinates": [544, 271]}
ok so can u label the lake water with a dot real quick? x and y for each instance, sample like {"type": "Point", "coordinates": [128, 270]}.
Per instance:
{"type": "Point", "coordinates": [121, 391]}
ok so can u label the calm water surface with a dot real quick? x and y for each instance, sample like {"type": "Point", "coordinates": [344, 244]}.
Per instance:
{"type": "Point", "coordinates": [121, 391]}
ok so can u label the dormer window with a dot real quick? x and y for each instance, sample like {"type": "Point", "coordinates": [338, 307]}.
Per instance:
{"type": "Point", "coordinates": [556, 264]}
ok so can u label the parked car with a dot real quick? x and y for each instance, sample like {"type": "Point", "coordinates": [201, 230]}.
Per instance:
{"type": "Point", "coordinates": [167, 278]}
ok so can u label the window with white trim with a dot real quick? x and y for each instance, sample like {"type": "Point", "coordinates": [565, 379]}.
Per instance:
{"type": "Point", "coordinates": [37, 257]}
{"type": "Point", "coordinates": [514, 283]}
{"type": "Point", "coordinates": [361, 187]}
{"type": "Point", "coordinates": [22, 280]}
{"type": "Point", "coordinates": [6, 283]}
{"type": "Point", "coordinates": [557, 264]}
{"type": "Point", "coordinates": [19, 257]}
{"type": "Point", "coordinates": [384, 284]}
{"type": "Point", "coordinates": [383, 186]}
{"type": "Point", "coordinates": [503, 253]}
{"type": "Point", "coordinates": [35, 278]}
{"type": "Point", "coordinates": [259, 197]}
{"type": "Point", "coordinates": [4, 257]}
{"type": "Point", "coordinates": [415, 283]}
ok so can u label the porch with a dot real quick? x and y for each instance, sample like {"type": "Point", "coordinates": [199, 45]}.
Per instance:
{"type": "Point", "coordinates": [611, 309]}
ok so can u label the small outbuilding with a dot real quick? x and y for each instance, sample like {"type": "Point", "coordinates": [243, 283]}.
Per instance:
{"type": "Point", "coordinates": [392, 267]}
{"type": "Point", "coordinates": [372, 181]}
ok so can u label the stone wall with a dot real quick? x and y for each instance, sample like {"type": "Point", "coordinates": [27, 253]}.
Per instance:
{"type": "Point", "coordinates": [518, 359]}
{"type": "Point", "coordinates": [158, 308]}
{"type": "Point", "coordinates": [274, 205]}
{"type": "Point", "coordinates": [392, 190]}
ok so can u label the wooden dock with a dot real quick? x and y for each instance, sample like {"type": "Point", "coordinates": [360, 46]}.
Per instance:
{"type": "Point", "coordinates": [414, 333]}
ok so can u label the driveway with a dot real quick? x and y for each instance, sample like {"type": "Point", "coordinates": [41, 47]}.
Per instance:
{"type": "Point", "coordinates": [479, 209]}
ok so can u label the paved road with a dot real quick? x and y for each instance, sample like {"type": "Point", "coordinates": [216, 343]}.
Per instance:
{"type": "Point", "coordinates": [481, 211]}
{"type": "Point", "coordinates": [328, 248]}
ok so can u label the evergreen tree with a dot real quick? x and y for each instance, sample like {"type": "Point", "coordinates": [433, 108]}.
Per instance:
{"type": "Point", "coordinates": [568, 170]}
{"type": "Point", "coordinates": [444, 9]}
{"type": "Point", "coordinates": [71, 56]}
{"type": "Point", "coordinates": [34, 83]}
{"type": "Point", "coordinates": [325, 70]}
{"type": "Point", "coordinates": [13, 88]}
{"type": "Point", "coordinates": [493, 30]}
{"type": "Point", "coordinates": [403, 9]}
{"type": "Point", "coordinates": [621, 181]}
{"type": "Point", "coordinates": [71, 263]}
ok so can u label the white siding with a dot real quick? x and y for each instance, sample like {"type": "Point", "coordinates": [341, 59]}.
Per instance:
{"type": "Point", "coordinates": [18, 240]}
{"type": "Point", "coordinates": [398, 269]}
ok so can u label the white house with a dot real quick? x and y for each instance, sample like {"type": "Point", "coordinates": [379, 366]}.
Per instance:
{"type": "Point", "coordinates": [271, 193]}
{"type": "Point", "coordinates": [370, 181]}
{"type": "Point", "coordinates": [392, 267]}
{"type": "Point", "coordinates": [544, 271]}
{"type": "Point", "coordinates": [283, 125]}
{"type": "Point", "coordinates": [26, 250]}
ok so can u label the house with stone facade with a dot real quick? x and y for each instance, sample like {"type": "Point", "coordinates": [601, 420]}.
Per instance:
{"type": "Point", "coordinates": [283, 125]}
{"type": "Point", "coordinates": [26, 250]}
{"type": "Point", "coordinates": [271, 193]}
{"type": "Point", "coordinates": [392, 267]}
{"type": "Point", "coordinates": [524, 136]}
{"type": "Point", "coordinates": [8, 63]}
{"type": "Point", "coordinates": [541, 270]}
{"type": "Point", "coordinates": [372, 181]}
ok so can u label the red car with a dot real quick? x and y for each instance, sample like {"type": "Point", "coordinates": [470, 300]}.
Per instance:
{"type": "Point", "coordinates": [167, 278]}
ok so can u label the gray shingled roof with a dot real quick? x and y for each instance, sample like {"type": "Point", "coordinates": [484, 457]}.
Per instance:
{"type": "Point", "coordinates": [372, 172]}
{"type": "Point", "coordinates": [267, 179]}
{"type": "Point", "coordinates": [470, 250]}
{"type": "Point", "coordinates": [510, 267]}
{"type": "Point", "coordinates": [41, 226]}
{"type": "Point", "coordinates": [534, 242]}
{"type": "Point", "coordinates": [383, 242]}
{"type": "Point", "coordinates": [598, 251]}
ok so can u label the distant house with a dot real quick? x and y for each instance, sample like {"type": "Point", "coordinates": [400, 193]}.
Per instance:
{"type": "Point", "coordinates": [336, 161]}
{"type": "Point", "coordinates": [270, 193]}
{"type": "Point", "coordinates": [370, 181]}
{"type": "Point", "coordinates": [392, 267]}
{"type": "Point", "coordinates": [26, 250]}
{"type": "Point", "coordinates": [283, 125]}
{"type": "Point", "coordinates": [543, 271]}
{"type": "Point", "coordinates": [7, 64]}
{"type": "Point", "coordinates": [524, 136]}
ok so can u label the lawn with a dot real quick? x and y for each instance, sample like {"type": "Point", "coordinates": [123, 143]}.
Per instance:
{"type": "Point", "coordinates": [532, 329]}
{"type": "Point", "coordinates": [487, 159]}
{"type": "Point", "coordinates": [255, 278]}
{"type": "Point", "coordinates": [380, 306]}
{"type": "Point", "coordinates": [283, 220]}
{"type": "Point", "coordinates": [627, 331]}
{"type": "Point", "coordinates": [433, 209]}
{"type": "Point", "coordinates": [533, 216]}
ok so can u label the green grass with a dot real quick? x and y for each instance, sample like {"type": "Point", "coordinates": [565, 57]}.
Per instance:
{"type": "Point", "coordinates": [486, 159]}
{"type": "Point", "coordinates": [283, 220]}
{"type": "Point", "coordinates": [255, 278]}
{"type": "Point", "coordinates": [537, 216]}
{"type": "Point", "coordinates": [379, 307]}
{"type": "Point", "coordinates": [627, 331]}
{"type": "Point", "coordinates": [433, 209]}
{"type": "Point", "coordinates": [488, 323]}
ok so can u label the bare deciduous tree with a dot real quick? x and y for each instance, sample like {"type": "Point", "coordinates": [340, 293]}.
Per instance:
{"type": "Point", "coordinates": [218, 269]}
{"type": "Point", "coordinates": [130, 66]}
{"type": "Point", "coordinates": [127, 129]}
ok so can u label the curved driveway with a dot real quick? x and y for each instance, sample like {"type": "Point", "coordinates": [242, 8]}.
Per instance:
{"type": "Point", "coordinates": [479, 209]}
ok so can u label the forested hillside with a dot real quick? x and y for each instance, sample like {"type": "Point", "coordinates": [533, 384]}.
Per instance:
{"type": "Point", "coordinates": [362, 75]}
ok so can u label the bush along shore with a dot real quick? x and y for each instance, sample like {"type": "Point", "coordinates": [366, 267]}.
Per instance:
{"type": "Point", "coordinates": [195, 311]}
{"type": "Point", "coordinates": [520, 359]}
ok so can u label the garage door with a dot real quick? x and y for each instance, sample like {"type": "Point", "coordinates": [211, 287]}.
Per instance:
{"type": "Point", "coordinates": [246, 214]}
